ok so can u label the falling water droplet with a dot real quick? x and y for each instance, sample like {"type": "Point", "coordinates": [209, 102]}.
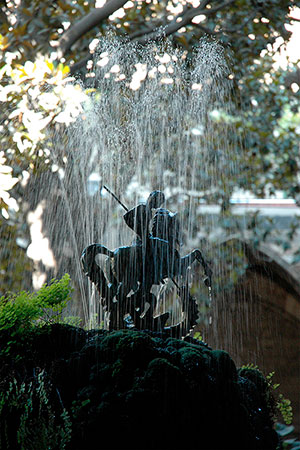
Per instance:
{"type": "Point", "coordinates": [210, 303]}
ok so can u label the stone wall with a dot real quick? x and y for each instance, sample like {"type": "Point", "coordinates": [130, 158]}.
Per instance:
{"type": "Point", "coordinates": [259, 322]}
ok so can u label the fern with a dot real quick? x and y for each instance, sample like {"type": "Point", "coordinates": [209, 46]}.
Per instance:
{"type": "Point", "coordinates": [282, 405]}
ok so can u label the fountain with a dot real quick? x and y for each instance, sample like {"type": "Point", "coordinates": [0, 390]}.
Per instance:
{"type": "Point", "coordinates": [149, 133]}
{"type": "Point", "coordinates": [149, 122]}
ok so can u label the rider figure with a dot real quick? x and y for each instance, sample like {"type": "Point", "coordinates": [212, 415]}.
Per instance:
{"type": "Point", "coordinates": [139, 217]}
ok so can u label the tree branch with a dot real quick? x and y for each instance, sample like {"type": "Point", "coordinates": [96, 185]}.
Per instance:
{"type": "Point", "coordinates": [77, 66]}
{"type": "Point", "coordinates": [96, 16]}
{"type": "Point", "coordinates": [150, 33]}
{"type": "Point", "coordinates": [205, 29]}
{"type": "Point", "coordinates": [174, 26]}
{"type": "Point", "coordinates": [154, 26]}
{"type": "Point", "coordinates": [225, 30]}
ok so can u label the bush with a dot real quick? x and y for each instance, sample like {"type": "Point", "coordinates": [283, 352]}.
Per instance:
{"type": "Point", "coordinates": [20, 313]}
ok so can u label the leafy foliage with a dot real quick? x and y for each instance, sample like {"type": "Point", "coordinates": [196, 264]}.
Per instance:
{"type": "Point", "coordinates": [36, 96]}
{"type": "Point", "coordinates": [20, 313]}
{"type": "Point", "coordinates": [283, 405]}
{"type": "Point", "coordinates": [270, 127]}
{"type": "Point", "coordinates": [35, 420]}
{"type": "Point", "coordinates": [38, 23]}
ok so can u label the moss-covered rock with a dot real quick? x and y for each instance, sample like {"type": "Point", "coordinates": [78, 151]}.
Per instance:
{"type": "Point", "coordinates": [137, 389]}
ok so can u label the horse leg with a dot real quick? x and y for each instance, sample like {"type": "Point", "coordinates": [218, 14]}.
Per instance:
{"type": "Point", "coordinates": [187, 261]}
{"type": "Point", "coordinates": [207, 270]}
{"type": "Point", "coordinates": [106, 290]}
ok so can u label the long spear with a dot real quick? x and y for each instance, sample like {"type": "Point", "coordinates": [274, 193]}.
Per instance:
{"type": "Point", "coordinates": [115, 197]}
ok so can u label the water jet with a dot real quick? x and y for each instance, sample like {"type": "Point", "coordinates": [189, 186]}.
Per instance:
{"type": "Point", "coordinates": [148, 123]}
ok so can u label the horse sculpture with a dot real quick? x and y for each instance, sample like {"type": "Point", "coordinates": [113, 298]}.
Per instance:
{"type": "Point", "coordinates": [131, 271]}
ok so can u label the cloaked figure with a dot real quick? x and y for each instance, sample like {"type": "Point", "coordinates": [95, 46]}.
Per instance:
{"type": "Point", "coordinates": [139, 217]}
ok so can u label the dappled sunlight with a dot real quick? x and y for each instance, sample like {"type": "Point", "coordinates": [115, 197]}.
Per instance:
{"type": "Point", "coordinates": [39, 249]}
{"type": "Point", "coordinates": [289, 53]}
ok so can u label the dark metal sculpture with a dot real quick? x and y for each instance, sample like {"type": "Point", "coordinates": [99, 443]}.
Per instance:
{"type": "Point", "coordinates": [126, 282]}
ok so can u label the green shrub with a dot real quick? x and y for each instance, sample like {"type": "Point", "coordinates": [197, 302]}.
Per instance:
{"type": "Point", "coordinates": [74, 321]}
{"type": "Point", "coordinates": [20, 313]}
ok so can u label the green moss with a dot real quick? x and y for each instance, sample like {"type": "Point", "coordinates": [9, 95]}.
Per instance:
{"type": "Point", "coordinates": [159, 369]}
{"type": "Point", "coordinates": [224, 365]}
{"type": "Point", "coordinates": [256, 377]}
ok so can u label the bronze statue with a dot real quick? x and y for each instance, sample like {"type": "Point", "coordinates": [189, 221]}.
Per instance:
{"type": "Point", "coordinates": [131, 271]}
